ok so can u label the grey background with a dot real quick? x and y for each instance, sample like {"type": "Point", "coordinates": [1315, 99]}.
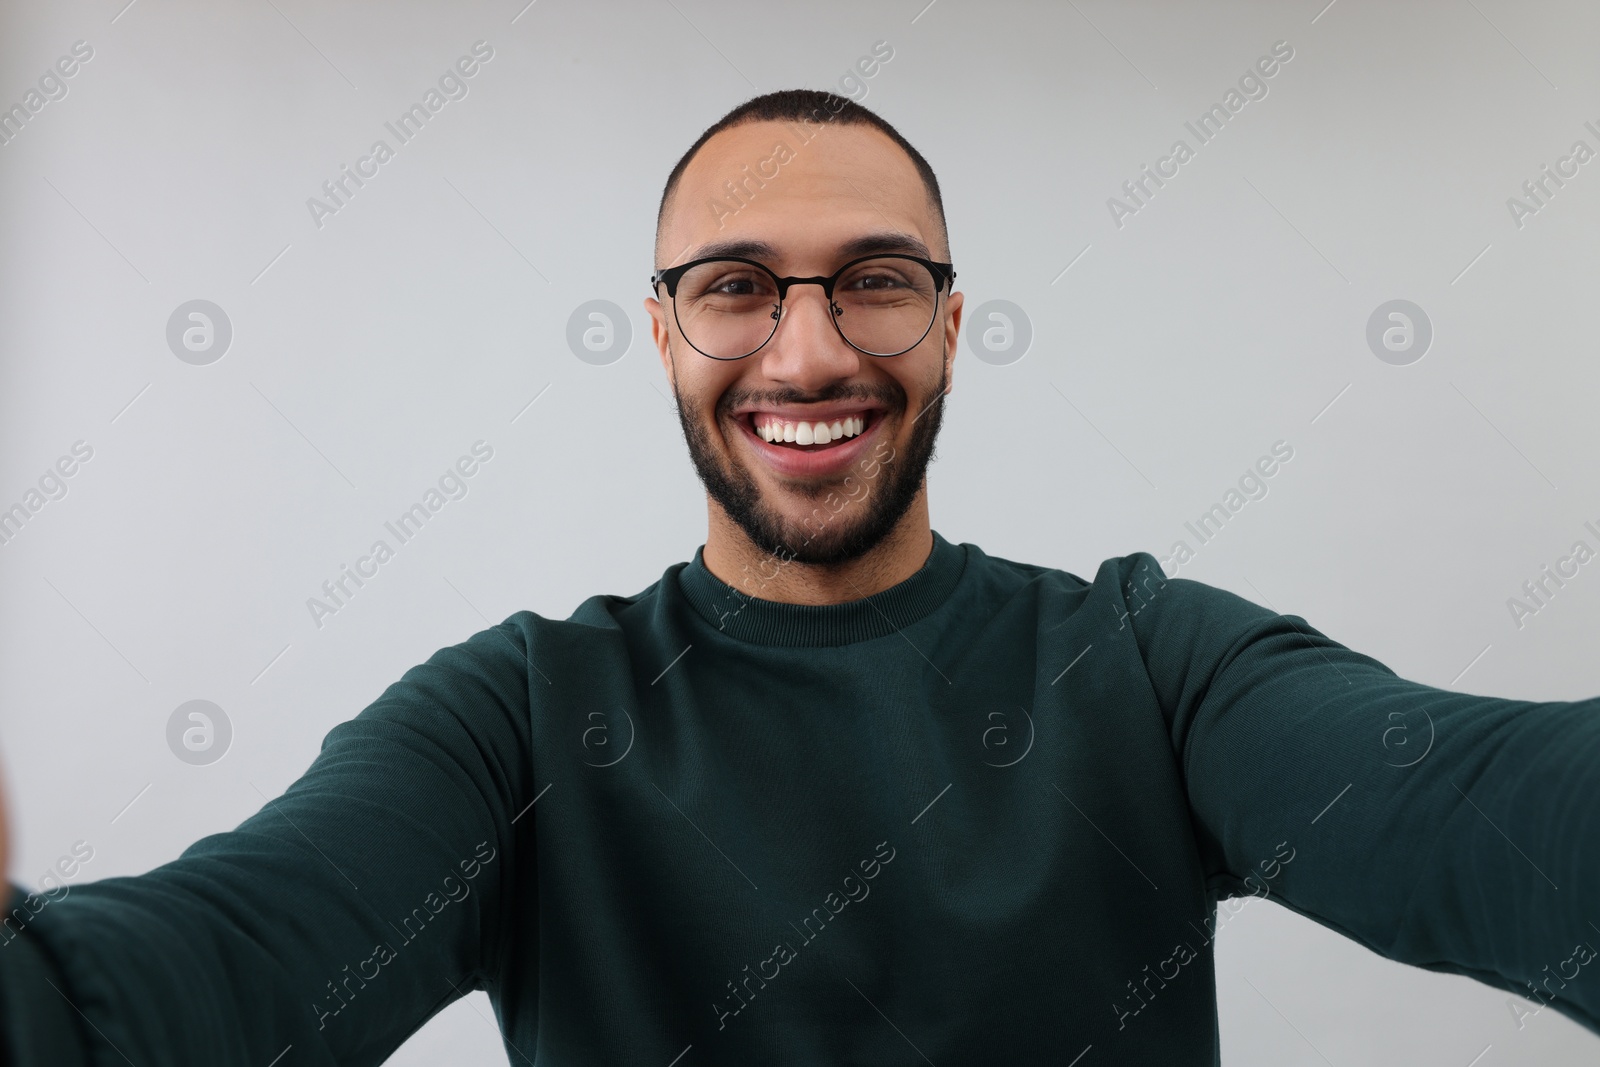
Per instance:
{"type": "Point", "coordinates": [367, 355]}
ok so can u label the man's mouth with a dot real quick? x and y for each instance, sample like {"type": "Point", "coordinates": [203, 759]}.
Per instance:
{"type": "Point", "coordinates": [811, 442]}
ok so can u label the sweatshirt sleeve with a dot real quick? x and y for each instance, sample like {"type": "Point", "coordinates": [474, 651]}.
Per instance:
{"type": "Point", "coordinates": [334, 922]}
{"type": "Point", "coordinates": [1449, 831]}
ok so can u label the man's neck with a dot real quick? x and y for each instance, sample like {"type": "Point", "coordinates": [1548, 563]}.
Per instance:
{"type": "Point", "coordinates": [755, 571]}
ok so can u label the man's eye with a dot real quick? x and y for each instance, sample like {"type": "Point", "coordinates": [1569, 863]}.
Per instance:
{"type": "Point", "coordinates": [735, 286]}
{"type": "Point", "coordinates": [878, 281]}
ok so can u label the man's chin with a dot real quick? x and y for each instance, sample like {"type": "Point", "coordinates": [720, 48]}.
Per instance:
{"type": "Point", "coordinates": [802, 493]}
{"type": "Point", "coordinates": [831, 544]}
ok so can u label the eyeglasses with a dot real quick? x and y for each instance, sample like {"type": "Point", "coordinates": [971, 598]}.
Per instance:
{"type": "Point", "coordinates": [729, 307]}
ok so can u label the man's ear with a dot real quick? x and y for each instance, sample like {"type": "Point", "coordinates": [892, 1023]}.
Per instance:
{"type": "Point", "coordinates": [658, 334]}
{"type": "Point", "coordinates": [952, 337]}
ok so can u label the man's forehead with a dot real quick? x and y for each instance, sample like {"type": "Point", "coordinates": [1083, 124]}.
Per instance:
{"type": "Point", "coordinates": [762, 190]}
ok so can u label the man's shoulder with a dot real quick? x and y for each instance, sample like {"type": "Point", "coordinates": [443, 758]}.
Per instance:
{"type": "Point", "coordinates": [1134, 586]}
{"type": "Point", "coordinates": [527, 632]}
{"type": "Point", "coordinates": [1112, 572]}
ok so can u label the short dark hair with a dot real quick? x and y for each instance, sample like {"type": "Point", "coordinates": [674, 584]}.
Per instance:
{"type": "Point", "coordinates": [795, 105]}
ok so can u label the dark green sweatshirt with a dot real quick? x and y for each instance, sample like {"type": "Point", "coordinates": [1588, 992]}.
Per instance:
{"type": "Point", "coordinates": [984, 816]}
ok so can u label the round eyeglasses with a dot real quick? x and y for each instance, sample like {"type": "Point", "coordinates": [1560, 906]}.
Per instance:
{"type": "Point", "coordinates": [729, 307]}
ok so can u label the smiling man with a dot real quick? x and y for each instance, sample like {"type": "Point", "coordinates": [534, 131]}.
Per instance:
{"type": "Point", "coordinates": [810, 406]}
{"type": "Point", "coordinates": [836, 789]}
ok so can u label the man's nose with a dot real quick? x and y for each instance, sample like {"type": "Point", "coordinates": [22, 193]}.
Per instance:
{"type": "Point", "coordinates": [807, 349]}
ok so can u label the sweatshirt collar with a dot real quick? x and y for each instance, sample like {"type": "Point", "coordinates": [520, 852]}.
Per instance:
{"type": "Point", "coordinates": [770, 622]}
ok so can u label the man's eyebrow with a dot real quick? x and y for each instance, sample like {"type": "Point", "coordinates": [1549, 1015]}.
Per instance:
{"type": "Point", "coordinates": [745, 247]}
{"type": "Point", "coordinates": [885, 241]}
{"type": "Point", "coordinates": [865, 245]}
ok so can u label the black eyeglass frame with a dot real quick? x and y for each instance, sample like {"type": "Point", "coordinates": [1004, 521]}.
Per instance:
{"type": "Point", "coordinates": [942, 273]}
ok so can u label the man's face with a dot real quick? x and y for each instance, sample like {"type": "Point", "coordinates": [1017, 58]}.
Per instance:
{"type": "Point", "coordinates": [828, 503]}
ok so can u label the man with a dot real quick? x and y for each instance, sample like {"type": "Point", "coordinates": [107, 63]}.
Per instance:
{"type": "Point", "coordinates": [837, 790]}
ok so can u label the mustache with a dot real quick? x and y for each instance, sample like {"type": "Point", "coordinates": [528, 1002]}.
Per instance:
{"type": "Point", "coordinates": [892, 398]}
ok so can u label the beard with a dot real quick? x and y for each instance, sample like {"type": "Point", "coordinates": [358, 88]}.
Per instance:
{"type": "Point", "coordinates": [864, 521]}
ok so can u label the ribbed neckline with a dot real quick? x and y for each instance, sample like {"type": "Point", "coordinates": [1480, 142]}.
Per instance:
{"type": "Point", "coordinates": [770, 622]}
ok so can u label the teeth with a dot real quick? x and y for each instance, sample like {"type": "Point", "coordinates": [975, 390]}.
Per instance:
{"type": "Point", "coordinates": [807, 433]}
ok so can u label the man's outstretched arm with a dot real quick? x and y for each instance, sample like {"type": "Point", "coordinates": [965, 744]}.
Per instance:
{"type": "Point", "coordinates": [1453, 832]}
{"type": "Point", "coordinates": [336, 920]}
